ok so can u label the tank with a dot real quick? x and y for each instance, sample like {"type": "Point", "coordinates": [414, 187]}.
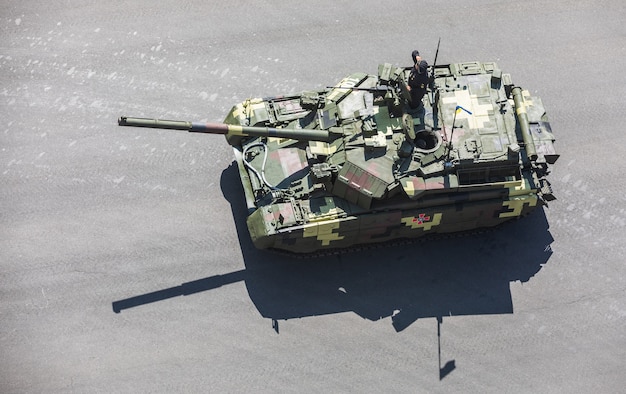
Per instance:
{"type": "Point", "coordinates": [356, 163]}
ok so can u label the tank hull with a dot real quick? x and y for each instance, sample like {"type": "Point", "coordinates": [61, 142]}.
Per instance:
{"type": "Point", "coordinates": [385, 225]}
{"type": "Point", "coordinates": [474, 154]}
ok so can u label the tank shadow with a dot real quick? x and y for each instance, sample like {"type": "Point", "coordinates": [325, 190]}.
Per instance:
{"type": "Point", "coordinates": [433, 279]}
{"type": "Point", "coordinates": [462, 276]}
{"type": "Point", "coordinates": [459, 276]}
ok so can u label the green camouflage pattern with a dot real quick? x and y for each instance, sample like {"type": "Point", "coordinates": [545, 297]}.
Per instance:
{"type": "Point", "coordinates": [353, 164]}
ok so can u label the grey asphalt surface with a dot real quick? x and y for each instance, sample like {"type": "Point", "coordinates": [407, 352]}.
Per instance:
{"type": "Point", "coordinates": [125, 264]}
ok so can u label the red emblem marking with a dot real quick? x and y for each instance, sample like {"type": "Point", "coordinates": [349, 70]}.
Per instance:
{"type": "Point", "coordinates": [421, 218]}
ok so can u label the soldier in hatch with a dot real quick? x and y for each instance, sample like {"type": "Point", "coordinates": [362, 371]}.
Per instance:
{"type": "Point", "coordinates": [418, 80]}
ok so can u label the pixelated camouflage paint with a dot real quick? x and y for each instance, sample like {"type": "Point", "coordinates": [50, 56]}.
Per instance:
{"type": "Point", "coordinates": [456, 201]}
{"type": "Point", "coordinates": [353, 164]}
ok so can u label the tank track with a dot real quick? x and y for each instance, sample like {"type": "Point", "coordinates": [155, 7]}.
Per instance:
{"type": "Point", "coordinates": [390, 244]}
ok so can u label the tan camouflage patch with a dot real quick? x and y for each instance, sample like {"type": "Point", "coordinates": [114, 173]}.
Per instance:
{"type": "Point", "coordinates": [346, 83]}
{"type": "Point", "coordinates": [480, 112]}
{"type": "Point", "coordinates": [413, 186]}
{"type": "Point", "coordinates": [516, 205]}
{"type": "Point", "coordinates": [245, 109]}
{"type": "Point", "coordinates": [528, 100]}
{"type": "Point", "coordinates": [332, 214]}
{"type": "Point", "coordinates": [322, 148]}
{"type": "Point", "coordinates": [518, 188]}
{"type": "Point", "coordinates": [416, 186]}
{"type": "Point", "coordinates": [323, 232]}
{"type": "Point", "coordinates": [235, 130]}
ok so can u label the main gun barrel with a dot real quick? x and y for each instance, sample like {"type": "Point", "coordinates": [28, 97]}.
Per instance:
{"type": "Point", "coordinates": [226, 129]}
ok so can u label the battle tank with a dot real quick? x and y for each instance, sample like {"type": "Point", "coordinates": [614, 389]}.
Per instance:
{"type": "Point", "coordinates": [354, 164]}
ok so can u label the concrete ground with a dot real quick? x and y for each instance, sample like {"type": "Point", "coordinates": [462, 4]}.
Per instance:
{"type": "Point", "coordinates": [96, 219]}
